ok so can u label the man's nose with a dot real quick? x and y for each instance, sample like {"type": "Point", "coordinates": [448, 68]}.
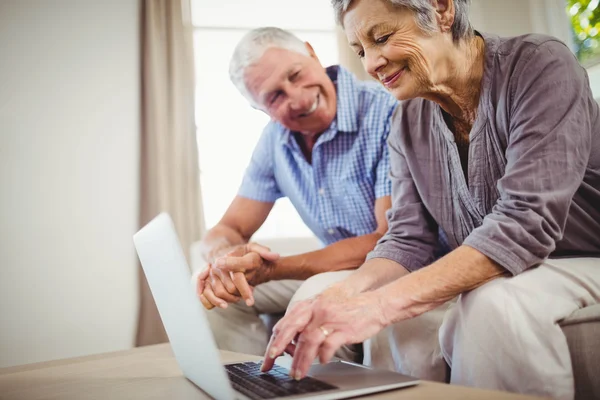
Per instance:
{"type": "Point", "coordinates": [300, 100]}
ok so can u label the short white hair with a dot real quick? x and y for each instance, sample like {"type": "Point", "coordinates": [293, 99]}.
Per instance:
{"type": "Point", "coordinates": [424, 15]}
{"type": "Point", "coordinates": [252, 47]}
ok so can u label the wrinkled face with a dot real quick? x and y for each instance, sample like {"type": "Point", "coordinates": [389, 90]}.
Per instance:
{"type": "Point", "coordinates": [393, 48]}
{"type": "Point", "coordinates": [293, 89]}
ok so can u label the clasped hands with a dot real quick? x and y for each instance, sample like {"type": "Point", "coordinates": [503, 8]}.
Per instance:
{"type": "Point", "coordinates": [233, 275]}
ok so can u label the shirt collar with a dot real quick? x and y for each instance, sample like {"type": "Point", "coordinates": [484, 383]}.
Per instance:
{"type": "Point", "coordinates": [347, 100]}
{"type": "Point", "coordinates": [346, 118]}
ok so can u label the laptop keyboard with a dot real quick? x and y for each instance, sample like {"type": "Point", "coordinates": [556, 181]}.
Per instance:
{"type": "Point", "coordinates": [247, 379]}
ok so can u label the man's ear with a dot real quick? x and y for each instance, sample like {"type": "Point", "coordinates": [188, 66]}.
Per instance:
{"type": "Point", "coordinates": [311, 52]}
{"type": "Point", "coordinates": [259, 108]}
{"type": "Point", "coordinates": [444, 13]}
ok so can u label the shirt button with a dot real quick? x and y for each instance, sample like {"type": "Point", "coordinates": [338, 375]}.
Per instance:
{"type": "Point", "coordinates": [321, 191]}
{"type": "Point", "coordinates": [330, 231]}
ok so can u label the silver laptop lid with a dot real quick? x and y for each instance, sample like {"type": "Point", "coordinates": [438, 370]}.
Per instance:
{"type": "Point", "coordinates": [186, 325]}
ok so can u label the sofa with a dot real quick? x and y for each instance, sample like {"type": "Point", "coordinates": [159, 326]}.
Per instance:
{"type": "Point", "coordinates": [582, 330]}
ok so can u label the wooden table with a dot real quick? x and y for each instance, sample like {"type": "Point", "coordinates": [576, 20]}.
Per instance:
{"type": "Point", "coordinates": [152, 373]}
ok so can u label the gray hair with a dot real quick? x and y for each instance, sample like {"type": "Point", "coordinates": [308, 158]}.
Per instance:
{"type": "Point", "coordinates": [252, 47]}
{"type": "Point", "coordinates": [424, 14]}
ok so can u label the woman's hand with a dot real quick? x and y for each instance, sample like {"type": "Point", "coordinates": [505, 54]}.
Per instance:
{"type": "Point", "coordinates": [321, 326]}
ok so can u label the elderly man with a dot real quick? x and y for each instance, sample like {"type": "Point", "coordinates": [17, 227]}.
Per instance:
{"type": "Point", "coordinates": [325, 149]}
{"type": "Point", "coordinates": [483, 149]}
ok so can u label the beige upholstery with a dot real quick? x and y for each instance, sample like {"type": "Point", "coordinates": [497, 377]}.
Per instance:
{"type": "Point", "coordinates": [582, 330]}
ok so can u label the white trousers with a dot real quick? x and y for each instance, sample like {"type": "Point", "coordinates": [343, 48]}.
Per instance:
{"type": "Point", "coordinates": [413, 350]}
{"type": "Point", "coordinates": [411, 347]}
{"type": "Point", "coordinates": [505, 335]}
{"type": "Point", "coordinates": [240, 328]}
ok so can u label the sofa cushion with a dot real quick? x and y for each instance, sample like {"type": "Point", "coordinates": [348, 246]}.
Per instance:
{"type": "Point", "coordinates": [582, 330]}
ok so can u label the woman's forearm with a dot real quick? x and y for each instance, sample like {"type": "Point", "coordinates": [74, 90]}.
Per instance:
{"type": "Point", "coordinates": [373, 274]}
{"type": "Point", "coordinates": [459, 271]}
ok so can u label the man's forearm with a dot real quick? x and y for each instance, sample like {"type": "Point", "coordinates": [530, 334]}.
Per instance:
{"type": "Point", "coordinates": [459, 271]}
{"type": "Point", "coordinates": [345, 254]}
{"type": "Point", "coordinates": [219, 239]}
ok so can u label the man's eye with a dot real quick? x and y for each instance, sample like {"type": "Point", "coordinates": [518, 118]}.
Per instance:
{"type": "Point", "coordinates": [294, 76]}
{"type": "Point", "coordinates": [382, 39]}
{"type": "Point", "coordinates": [274, 98]}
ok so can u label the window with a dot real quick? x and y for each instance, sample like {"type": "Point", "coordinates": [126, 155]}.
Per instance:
{"type": "Point", "coordinates": [585, 19]}
{"type": "Point", "coordinates": [228, 128]}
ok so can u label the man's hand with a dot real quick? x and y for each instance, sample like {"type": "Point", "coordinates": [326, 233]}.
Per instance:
{"type": "Point", "coordinates": [216, 286]}
{"type": "Point", "coordinates": [255, 261]}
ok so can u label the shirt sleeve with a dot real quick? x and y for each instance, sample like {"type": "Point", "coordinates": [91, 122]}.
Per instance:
{"type": "Point", "coordinates": [547, 152]}
{"type": "Point", "coordinates": [411, 239]}
{"type": "Point", "coordinates": [383, 182]}
{"type": "Point", "coordinates": [259, 181]}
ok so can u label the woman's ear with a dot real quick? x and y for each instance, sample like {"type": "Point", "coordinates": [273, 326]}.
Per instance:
{"type": "Point", "coordinates": [444, 13]}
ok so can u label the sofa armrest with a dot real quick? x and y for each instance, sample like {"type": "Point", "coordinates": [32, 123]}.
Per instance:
{"type": "Point", "coordinates": [582, 330]}
{"type": "Point", "coordinates": [587, 314]}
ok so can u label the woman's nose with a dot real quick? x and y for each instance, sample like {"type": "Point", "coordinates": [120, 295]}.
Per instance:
{"type": "Point", "coordinates": [373, 61]}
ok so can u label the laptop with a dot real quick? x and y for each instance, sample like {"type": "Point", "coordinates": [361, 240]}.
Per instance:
{"type": "Point", "coordinates": [187, 327]}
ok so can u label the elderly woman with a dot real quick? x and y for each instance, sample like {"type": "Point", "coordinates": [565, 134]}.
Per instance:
{"type": "Point", "coordinates": [496, 146]}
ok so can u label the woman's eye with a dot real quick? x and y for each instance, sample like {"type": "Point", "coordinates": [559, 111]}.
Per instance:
{"type": "Point", "coordinates": [382, 39]}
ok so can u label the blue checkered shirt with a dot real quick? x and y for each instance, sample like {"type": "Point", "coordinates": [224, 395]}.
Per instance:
{"type": "Point", "coordinates": [335, 195]}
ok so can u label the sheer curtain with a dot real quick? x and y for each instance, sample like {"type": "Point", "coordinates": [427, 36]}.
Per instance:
{"type": "Point", "coordinates": [226, 143]}
{"type": "Point", "coordinates": [169, 154]}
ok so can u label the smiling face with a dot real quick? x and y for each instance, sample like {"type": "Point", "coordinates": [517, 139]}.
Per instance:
{"type": "Point", "coordinates": [293, 89]}
{"type": "Point", "coordinates": [393, 48]}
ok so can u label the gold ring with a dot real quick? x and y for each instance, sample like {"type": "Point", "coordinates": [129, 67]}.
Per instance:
{"type": "Point", "coordinates": [325, 331]}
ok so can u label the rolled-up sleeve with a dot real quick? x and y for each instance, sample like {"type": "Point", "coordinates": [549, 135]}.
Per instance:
{"type": "Point", "coordinates": [259, 181]}
{"type": "Point", "coordinates": [547, 153]}
{"type": "Point", "coordinates": [411, 238]}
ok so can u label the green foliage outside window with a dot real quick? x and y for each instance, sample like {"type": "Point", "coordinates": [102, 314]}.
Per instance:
{"type": "Point", "coordinates": [585, 17]}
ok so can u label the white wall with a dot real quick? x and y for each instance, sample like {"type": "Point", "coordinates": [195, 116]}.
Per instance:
{"type": "Point", "coordinates": [69, 112]}
{"type": "Point", "coordinates": [518, 17]}
{"type": "Point", "coordinates": [505, 18]}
